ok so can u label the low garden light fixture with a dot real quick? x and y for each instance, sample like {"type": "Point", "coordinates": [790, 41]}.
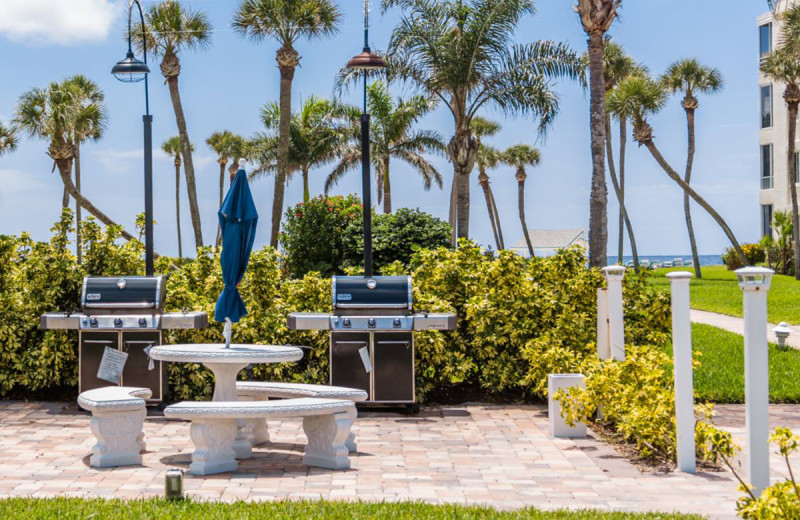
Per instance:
{"type": "Point", "coordinates": [782, 332]}
{"type": "Point", "coordinates": [173, 484]}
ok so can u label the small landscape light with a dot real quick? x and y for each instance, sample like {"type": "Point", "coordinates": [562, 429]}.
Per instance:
{"type": "Point", "coordinates": [782, 332]}
{"type": "Point", "coordinates": [173, 484]}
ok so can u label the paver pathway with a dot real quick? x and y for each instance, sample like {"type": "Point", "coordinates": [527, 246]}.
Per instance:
{"type": "Point", "coordinates": [736, 325]}
{"type": "Point", "coordinates": [479, 454]}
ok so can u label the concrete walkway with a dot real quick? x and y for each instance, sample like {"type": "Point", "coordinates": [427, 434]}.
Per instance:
{"type": "Point", "coordinates": [736, 325]}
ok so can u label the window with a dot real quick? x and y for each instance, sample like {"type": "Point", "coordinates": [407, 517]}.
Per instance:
{"type": "Point", "coordinates": [766, 106]}
{"type": "Point", "coordinates": [764, 39]}
{"type": "Point", "coordinates": [766, 220]}
{"type": "Point", "coordinates": [766, 166]}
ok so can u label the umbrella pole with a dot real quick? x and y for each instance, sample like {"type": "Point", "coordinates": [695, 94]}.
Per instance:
{"type": "Point", "coordinates": [226, 331]}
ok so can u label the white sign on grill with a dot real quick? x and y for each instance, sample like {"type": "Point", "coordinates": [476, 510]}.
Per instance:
{"type": "Point", "coordinates": [364, 353]}
{"type": "Point", "coordinates": [111, 365]}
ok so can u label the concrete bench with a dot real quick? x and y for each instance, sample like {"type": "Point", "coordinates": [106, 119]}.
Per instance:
{"type": "Point", "coordinates": [257, 431]}
{"type": "Point", "coordinates": [118, 414]}
{"type": "Point", "coordinates": [326, 423]}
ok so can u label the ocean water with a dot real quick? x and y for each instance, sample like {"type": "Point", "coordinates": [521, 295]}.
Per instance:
{"type": "Point", "coordinates": [704, 259]}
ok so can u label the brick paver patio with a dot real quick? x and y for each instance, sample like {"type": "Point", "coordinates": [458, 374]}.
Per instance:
{"type": "Point", "coordinates": [483, 454]}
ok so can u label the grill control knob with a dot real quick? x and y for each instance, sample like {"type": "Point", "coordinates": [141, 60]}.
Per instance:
{"type": "Point", "coordinates": [396, 323]}
{"type": "Point", "coordinates": [346, 322]}
{"type": "Point", "coordinates": [93, 322]}
{"type": "Point", "coordinates": [143, 322]}
{"type": "Point", "coordinates": [118, 322]}
{"type": "Point", "coordinates": [371, 323]}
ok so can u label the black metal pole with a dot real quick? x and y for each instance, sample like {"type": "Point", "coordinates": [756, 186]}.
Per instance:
{"type": "Point", "coordinates": [148, 194]}
{"type": "Point", "coordinates": [367, 195]}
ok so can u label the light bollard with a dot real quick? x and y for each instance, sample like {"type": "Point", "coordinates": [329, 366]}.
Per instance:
{"type": "Point", "coordinates": [616, 327]}
{"type": "Point", "coordinates": [682, 361]}
{"type": "Point", "coordinates": [755, 282]}
{"type": "Point", "coordinates": [603, 344]}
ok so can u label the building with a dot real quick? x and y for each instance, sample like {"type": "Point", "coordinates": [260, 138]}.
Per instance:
{"type": "Point", "coordinates": [774, 194]}
{"type": "Point", "coordinates": [546, 242]}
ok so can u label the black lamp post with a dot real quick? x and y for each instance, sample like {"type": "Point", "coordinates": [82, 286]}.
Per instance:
{"type": "Point", "coordinates": [366, 61]}
{"type": "Point", "coordinates": [131, 70]}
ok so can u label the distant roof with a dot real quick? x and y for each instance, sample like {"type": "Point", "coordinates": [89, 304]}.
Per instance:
{"type": "Point", "coordinates": [553, 239]}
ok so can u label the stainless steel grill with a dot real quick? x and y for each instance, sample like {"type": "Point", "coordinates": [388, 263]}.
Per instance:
{"type": "Point", "coordinates": [372, 335]}
{"type": "Point", "coordinates": [124, 314]}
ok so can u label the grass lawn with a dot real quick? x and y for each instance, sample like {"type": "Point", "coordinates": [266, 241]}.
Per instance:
{"type": "Point", "coordinates": [718, 292]}
{"type": "Point", "coordinates": [99, 509]}
{"type": "Point", "coordinates": [720, 379]}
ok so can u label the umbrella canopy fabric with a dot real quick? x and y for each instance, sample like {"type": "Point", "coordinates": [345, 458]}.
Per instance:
{"type": "Point", "coordinates": [237, 219]}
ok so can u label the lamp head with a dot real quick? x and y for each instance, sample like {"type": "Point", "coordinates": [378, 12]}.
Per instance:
{"type": "Point", "coordinates": [366, 60]}
{"type": "Point", "coordinates": [130, 70]}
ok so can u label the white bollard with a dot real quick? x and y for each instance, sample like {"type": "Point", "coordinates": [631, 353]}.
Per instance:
{"type": "Point", "coordinates": [558, 426]}
{"type": "Point", "coordinates": [755, 282]}
{"type": "Point", "coordinates": [603, 344]}
{"type": "Point", "coordinates": [616, 327]}
{"type": "Point", "coordinates": [682, 362]}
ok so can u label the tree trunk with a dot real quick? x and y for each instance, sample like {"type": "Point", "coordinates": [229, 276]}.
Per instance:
{"type": "Point", "coordinates": [452, 212]}
{"type": "Point", "coordinates": [463, 151]}
{"type": "Point", "coordinates": [497, 219]}
{"type": "Point", "coordinates": [792, 117]}
{"type": "Point", "coordinates": [613, 173]}
{"type": "Point", "coordinates": [651, 146]}
{"type": "Point", "coordinates": [687, 177]}
{"type": "Point", "coordinates": [483, 179]}
{"type": "Point", "coordinates": [521, 202]}
{"type": "Point", "coordinates": [186, 148]}
{"type": "Point", "coordinates": [218, 241]}
{"type": "Point", "coordinates": [78, 212]}
{"type": "Point", "coordinates": [178, 207]}
{"type": "Point", "coordinates": [288, 59]}
{"type": "Point", "coordinates": [598, 200]}
{"type": "Point", "coordinates": [623, 143]}
{"type": "Point", "coordinates": [387, 187]}
{"type": "Point", "coordinates": [306, 192]}
{"type": "Point", "coordinates": [65, 197]}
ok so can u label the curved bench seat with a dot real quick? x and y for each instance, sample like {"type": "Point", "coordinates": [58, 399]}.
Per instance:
{"type": "Point", "coordinates": [326, 423]}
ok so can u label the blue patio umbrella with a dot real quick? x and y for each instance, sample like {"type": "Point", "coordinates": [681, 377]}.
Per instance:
{"type": "Point", "coordinates": [237, 219]}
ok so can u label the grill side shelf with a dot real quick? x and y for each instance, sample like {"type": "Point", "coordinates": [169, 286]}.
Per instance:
{"type": "Point", "coordinates": [309, 321]}
{"type": "Point", "coordinates": [59, 321]}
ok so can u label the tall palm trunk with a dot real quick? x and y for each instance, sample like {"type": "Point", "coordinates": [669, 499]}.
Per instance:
{"type": "Point", "coordinates": [792, 97]}
{"type": "Point", "coordinates": [463, 151]}
{"type": "Point", "coordinates": [598, 199]}
{"type": "Point", "coordinates": [288, 59]}
{"type": "Point", "coordinates": [222, 164]}
{"type": "Point", "coordinates": [171, 68]}
{"type": "Point", "coordinates": [387, 187]}
{"type": "Point", "coordinates": [521, 202]}
{"type": "Point", "coordinates": [689, 106]}
{"type": "Point", "coordinates": [651, 147]}
{"type": "Point", "coordinates": [178, 205]}
{"type": "Point", "coordinates": [497, 219]}
{"type": "Point", "coordinates": [483, 180]}
{"type": "Point", "coordinates": [306, 191]}
{"type": "Point", "coordinates": [613, 173]}
{"type": "Point", "coordinates": [78, 209]}
{"type": "Point", "coordinates": [452, 211]}
{"type": "Point", "coordinates": [623, 143]}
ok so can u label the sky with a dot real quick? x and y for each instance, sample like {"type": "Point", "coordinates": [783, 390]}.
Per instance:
{"type": "Point", "coordinates": [224, 87]}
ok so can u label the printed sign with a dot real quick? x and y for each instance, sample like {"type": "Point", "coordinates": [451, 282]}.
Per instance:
{"type": "Point", "coordinates": [111, 365]}
{"type": "Point", "coordinates": [364, 353]}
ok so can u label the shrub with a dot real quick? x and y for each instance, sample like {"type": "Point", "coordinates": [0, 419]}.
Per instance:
{"type": "Point", "coordinates": [755, 253]}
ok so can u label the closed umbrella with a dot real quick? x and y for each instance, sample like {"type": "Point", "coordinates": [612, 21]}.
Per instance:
{"type": "Point", "coordinates": [237, 220]}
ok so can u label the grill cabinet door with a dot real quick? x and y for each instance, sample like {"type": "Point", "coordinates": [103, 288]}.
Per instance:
{"type": "Point", "coordinates": [92, 346]}
{"type": "Point", "coordinates": [394, 367]}
{"type": "Point", "coordinates": [347, 368]}
{"type": "Point", "coordinates": [136, 372]}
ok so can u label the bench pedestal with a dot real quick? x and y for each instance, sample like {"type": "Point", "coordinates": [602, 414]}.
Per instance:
{"type": "Point", "coordinates": [120, 440]}
{"type": "Point", "coordinates": [213, 440]}
{"type": "Point", "coordinates": [327, 435]}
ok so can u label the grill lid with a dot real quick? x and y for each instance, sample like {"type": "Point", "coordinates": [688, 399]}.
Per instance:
{"type": "Point", "coordinates": [380, 292]}
{"type": "Point", "coordinates": [123, 293]}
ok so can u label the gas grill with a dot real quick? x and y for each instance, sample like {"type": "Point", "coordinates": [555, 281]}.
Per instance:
{"type": "Point", "coordinates": [372, 335]}
{"type": "Point", "coordinates": [123, 314]}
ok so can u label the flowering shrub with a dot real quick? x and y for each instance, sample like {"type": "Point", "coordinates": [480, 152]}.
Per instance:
{"type": "Point", "coordinates": [755, 253]}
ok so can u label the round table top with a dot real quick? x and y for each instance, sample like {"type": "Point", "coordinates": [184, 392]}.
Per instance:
{"type": "Point", "coordinates": [217, 353]}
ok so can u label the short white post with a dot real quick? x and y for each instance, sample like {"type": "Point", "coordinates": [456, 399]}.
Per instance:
{"type": "Point", "coordinates": [603, 345]}
{"type": "Point", "coordinates": [616, 327]}
{"type": "Point", "coordinates": [682, 363]}
{"type": "Point", "coordinates": [755, 282]}
{"type": "Point", "coordinates": [558, 426]}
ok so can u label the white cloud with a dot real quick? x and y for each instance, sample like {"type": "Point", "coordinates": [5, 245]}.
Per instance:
{"type": "Point", "coordinates": [58, 21]}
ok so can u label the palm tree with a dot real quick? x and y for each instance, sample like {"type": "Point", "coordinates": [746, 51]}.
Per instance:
{"type": "Point", "coordinates": [52, 113]}
{"type": "Point", "coordinates": [173, 148]}
{"type": "Point", "coordinates": [783, 66]}
{"type": "Point", "coordinates": [391, 137]}
{"type": "Point", "coordinates": [317, 134]}
{"type": "Point", "coordinates": [171, 28]}
{"type": "Point", "coordinates": [227, 146]}
{"type": "Point", "coordinates": [617, 65]}
{"type": "Point", "coordinates": [8, 139]}
{"type": "Point", "coordinates": [596, 18]}
{"type": "Point", "coordinates": [690, 77]}
{"type": "Point", "coordinates": [285, 21]}
{"type": "Point", "coordinates": [463, 53]}
{"type": "Point", "coordinates": [784, 229]}
{"type": "Point", "coordinates": [90, 122]}
{"type": "Point", "coordinates": [638, 97]}
{"type": "Point", "coordinates": [520, 156]}
{"type": "Point", "coordinates": [488, 157]}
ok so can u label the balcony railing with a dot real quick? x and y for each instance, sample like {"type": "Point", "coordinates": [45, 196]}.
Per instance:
{"type": "Point", "coordinates": [766, 183]}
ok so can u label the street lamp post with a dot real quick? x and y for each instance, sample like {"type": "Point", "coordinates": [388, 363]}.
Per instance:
{"type": "Point", "coordinates": [132, 70]}
{"type": "Point", "coordinates": [366, 61]}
